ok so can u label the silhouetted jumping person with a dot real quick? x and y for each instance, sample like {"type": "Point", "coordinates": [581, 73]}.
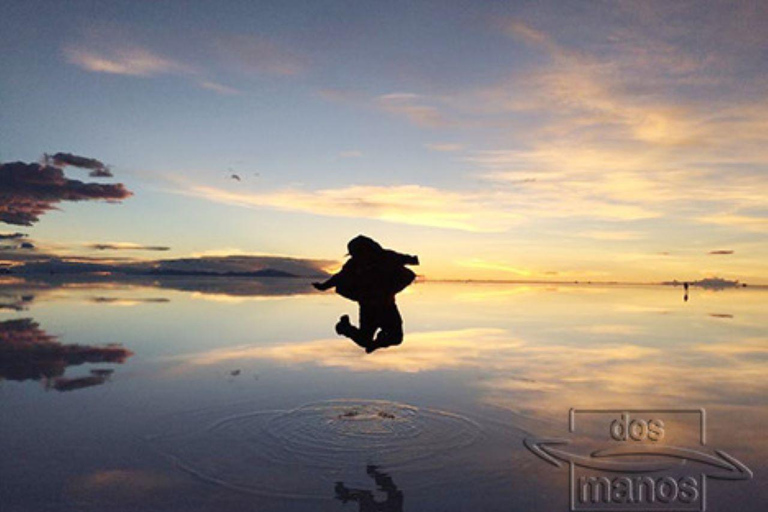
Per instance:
{"type": "Point", "coordinates": [372, 277]}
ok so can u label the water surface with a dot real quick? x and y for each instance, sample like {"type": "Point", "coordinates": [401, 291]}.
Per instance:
{"type": "Point", "coordinates": [240, 396]}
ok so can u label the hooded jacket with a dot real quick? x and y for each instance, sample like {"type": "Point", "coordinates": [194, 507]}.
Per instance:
{"type": "Point", "coordinates": [372, 272]}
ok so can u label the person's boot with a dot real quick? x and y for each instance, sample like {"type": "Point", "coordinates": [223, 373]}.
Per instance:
{"type": "Point", "coordinates": [343, 327]}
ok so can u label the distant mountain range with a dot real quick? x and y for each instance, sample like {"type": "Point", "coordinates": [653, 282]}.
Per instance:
{"type": "Point", "coordinates": [207, 266]}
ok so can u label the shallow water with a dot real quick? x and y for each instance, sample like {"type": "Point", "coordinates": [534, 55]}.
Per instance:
{"type": "Point", "coordinates": [233, 397]}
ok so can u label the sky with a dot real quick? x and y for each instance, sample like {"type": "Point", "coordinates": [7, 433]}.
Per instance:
{"type": "Point", "coordinates": [560, 140]}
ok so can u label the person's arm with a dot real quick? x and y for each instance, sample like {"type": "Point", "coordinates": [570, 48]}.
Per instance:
{"type": "Point", "coordinates": [328, 283]}
{"type": "Point", "coordinates": [405, 259]}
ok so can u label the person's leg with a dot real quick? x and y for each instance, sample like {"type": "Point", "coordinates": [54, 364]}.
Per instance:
{"type": "Point", "coordinates": [368, 324]}
{"type": "Point", "coordinates": [391, 325]}
{"type": "Point", "coordinates": [363, 335]}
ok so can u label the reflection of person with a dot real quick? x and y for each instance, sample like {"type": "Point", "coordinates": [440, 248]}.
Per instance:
{"type": "Point", "coordinates": [364, 498]}
{"type": "Point", "coordinates": [372, 277]}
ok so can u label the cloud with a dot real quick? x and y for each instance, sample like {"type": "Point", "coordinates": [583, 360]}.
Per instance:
{"type": "Point", "coordinates": [490, 210]}
{"type": "Point", "coordinates": [491, 349]}
{"type": "Point", "coordinates": [620, 129]}
{"type": "Point", "coordinates": [131, 61]}
{"type": "Point", "coordinates": [28, 191]}
{"type": "Point", "coordinates": [29, 353]}
{"type": "Point", "coordinates": [75, 383]}
{"type": "Point", "coordinates": [477, 263]}
{"type": "Point", "coordinates": [406, 204]}
{"type": "Point", "coordinates": [444, 147]}
{"type": "Point", "coordinates": [219, 88]}
{"type": "Point", "coordinates": [348, 96]}
{"type": "Point", "coordinates": [721, 252]}
{"type": "Point", "coordinates": [351, 154]}
{"type": "Point", "coordinates": [16, 300]}
{"type": "Point", "coordinates": [744, 222]}
{"type": "Point", "coordinates": [427, 351]}
{"type": "Point", "coordinates": [423, 111]}
{"type": "Point", "coordinates": [65, 159]}
{"type": "Point", "coordinates": [123, 485]}
{"type": "Point", "coordinates": [12, 236]}
{"type": "Point", "coordinates": [611, 235]}
{"type": "Point", "coordinates": [414, 108]}
{"type": "Point", "coordinates": [135, 61]}
{"type": "Point", "coordinates": [257, 55]}
{"type": "Point", "coordinates": [126, 246]}
{"type": "Point", "coordinates": [98, 168]}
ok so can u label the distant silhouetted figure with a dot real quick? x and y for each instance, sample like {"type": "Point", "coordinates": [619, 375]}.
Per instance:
{"type": "Point", "coordinates": [685, 295]}
{"type": "Point", "coordinates": [372, 277]}
{"type": "Point", "coordinates": [364, 497]}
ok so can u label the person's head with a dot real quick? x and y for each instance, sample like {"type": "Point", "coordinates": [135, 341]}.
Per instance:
{"type": "Point", "coordinates": [361, 247]}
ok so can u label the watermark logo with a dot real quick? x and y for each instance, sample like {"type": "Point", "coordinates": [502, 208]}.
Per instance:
{"type": "Point", "coordinates": [638, 460]}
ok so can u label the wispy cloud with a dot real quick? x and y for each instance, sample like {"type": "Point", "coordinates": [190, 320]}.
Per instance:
{"type": "Point", "coordinates": [444, 147]}
{"type": "Point", "coordinates": [257, 55]}
{"type": "Point", "coordinates": [121, 58]}
{"type": "Point", "coordinates": [415, 108]}
{"type": "Point", "coordinates": [98, 168]}
{"type": "Point", "coordinates": [133, 61]}
{"type": "Point", "coordinates": [756, 223]}
{"type": "Point", "coordinates": [12, 236]}
{"type": "Point", "coordinates": [406, 204]}
{"type": "Point", "coordinates": [428, 351]}
{"type": "Point", "coordinates": [607, 128]}
{"type": "Point", "coordinates": [219, 88]}
{"type": "Point", "coordinates": [611, 235]}
{"type": "Point", "coordinates": [477, 263]}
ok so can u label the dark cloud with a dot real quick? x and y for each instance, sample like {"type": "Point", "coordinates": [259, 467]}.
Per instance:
{"type": "Point", "coordinates": [15, 301]}
{"type": "Point", "coordinates": [29, 353]}
{"type": "Point", "coordinates": [12, 236]}
{"type": "Point", "coordinates": [28, 191]}
{"type": "Point", "coordinates": [18, 245]}
{"type": "Point", "coordinates": [75, 383]}
{"type": "Point", "coordinates": [65, 159]}
{"type": "Point", "coordinates": [98, 168]}
{"type": "Point", "coordinates": [725, 251]}
{"type": "Point", "coordinates": [101, 173]}
{"type": "Point", "coordinates": [127, 247]}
